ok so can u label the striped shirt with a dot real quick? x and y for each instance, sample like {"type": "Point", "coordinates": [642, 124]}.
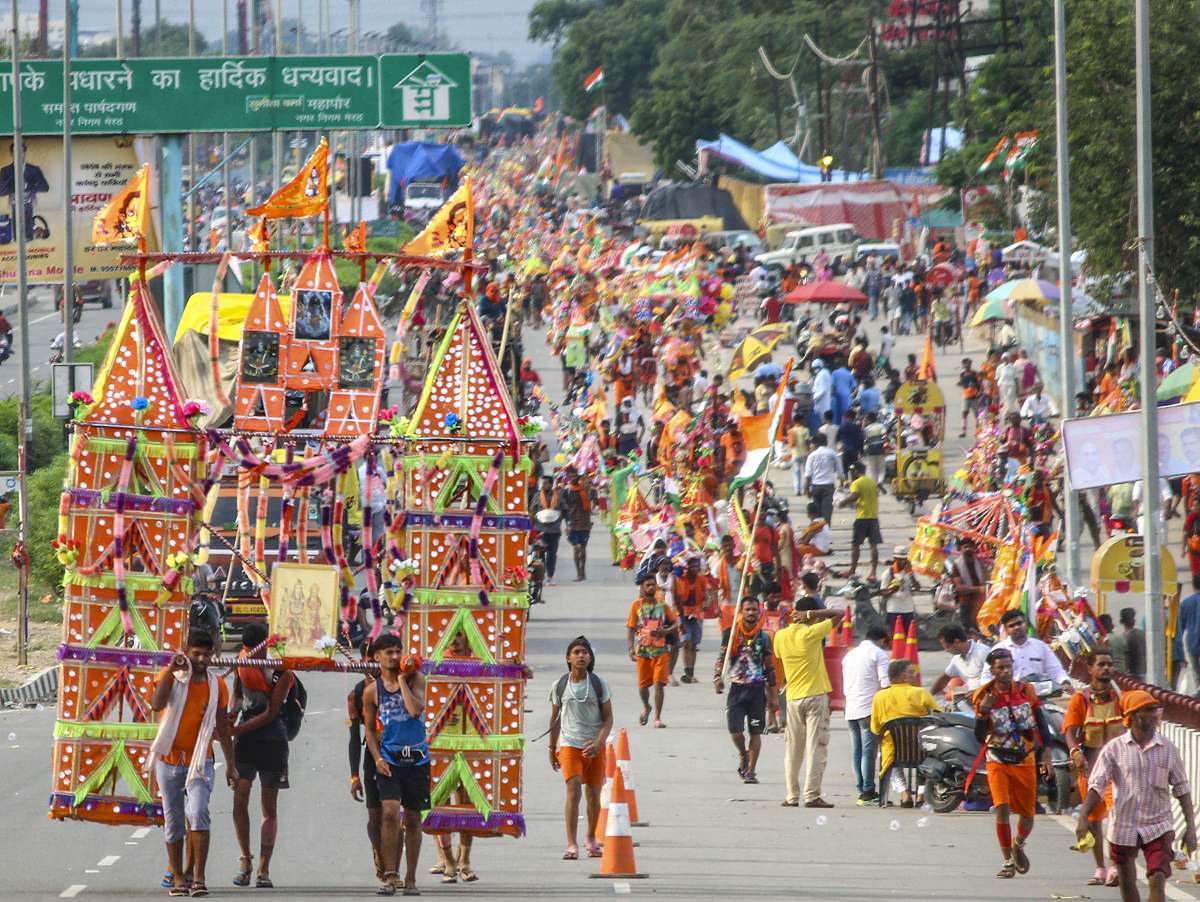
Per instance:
{"type": "Point", "coordinates": [1140, 778]}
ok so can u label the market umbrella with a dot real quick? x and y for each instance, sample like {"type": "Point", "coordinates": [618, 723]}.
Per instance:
{"type": "Point", "coordinates": [991, 310]}
{"type": "Point", "coordinates": [1177, 383]}
{"type": "Point", "coordinates": [825, 293]}
{"type": "Point", "coordinates": [1025, 290]}
{"type": "Point", "coordinates": [755, 347]}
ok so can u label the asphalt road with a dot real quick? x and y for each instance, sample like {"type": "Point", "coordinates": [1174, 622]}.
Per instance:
{"type": "Point", "coordinates": [44, 323]}
{"type": "Point", "coordinates": [709, 835]}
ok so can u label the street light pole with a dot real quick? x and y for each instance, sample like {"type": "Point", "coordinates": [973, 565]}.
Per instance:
{"type": "Point", "coordinates": [1148, 384]}
{"type": "Point", "coordinates": [24, 419]}
{"type": "Point", "coordinates": [68, 295]}
{"type": "Point", "coordinates": [1066, 321]}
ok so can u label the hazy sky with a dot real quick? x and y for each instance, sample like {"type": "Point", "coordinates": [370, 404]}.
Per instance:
{"type": "Point", "coordinates": [485, 25]}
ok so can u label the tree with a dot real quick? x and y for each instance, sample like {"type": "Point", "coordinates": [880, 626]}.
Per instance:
{"type": "Point", "coordinates": [550, 19]}
{"type": "Point", "coordinates": [174, 43]}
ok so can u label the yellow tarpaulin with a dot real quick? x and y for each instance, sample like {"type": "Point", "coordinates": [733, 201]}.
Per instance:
{"type": "Point", "coordinates": [231, 315]}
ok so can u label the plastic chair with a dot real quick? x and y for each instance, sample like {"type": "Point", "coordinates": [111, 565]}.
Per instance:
{"type": "Point", "coordinates": [906, 743]}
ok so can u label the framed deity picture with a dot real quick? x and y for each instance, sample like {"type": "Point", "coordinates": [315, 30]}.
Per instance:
{"type": "Point", "coordinates": [260, 357]}
{"type": "Point", "coordinates": [314, 315]}
{"type": "Point", "coordinates": [305, 601]}
{"type": "Point", "coordinates": [356, 362]}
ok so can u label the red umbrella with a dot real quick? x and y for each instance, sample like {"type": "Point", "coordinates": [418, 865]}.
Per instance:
{"type": "Point", "coordinates": [941, 275]}
{"type": "Point", "coordinates": [825, 293]}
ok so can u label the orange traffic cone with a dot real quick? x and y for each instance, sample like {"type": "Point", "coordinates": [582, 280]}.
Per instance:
{"type": "Point", "coordinates": [898, 647]}
{"type": "Point", "coordinates": [610, 768]}
{"type": "Point", "coordinates": [625, 767]}
{"type": "Point", "coordinates": [848, 628]}
{"type": "Point", "coordinates": [618, 860]}
{"type": "Point", "coordinates": [910, 647]}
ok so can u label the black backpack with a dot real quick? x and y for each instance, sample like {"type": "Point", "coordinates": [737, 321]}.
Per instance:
{"type": "Point", "coordinates": [293, 707]}
{"type": "Point", "coordinates": [561, 686]}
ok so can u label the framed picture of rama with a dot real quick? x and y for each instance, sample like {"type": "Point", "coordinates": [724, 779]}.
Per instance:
{"type": "Point", "coordinates": [305, 601]}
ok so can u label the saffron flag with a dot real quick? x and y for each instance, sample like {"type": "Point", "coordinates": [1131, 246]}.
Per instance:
{"type": "Point", "coordinates": [594, 80]}
{"type": "Point", "coordinates": [305, 195]}
{"type": "Point", "coordinates": [355, 241]}
{"type": "Point", "coordinates": [990, 160]}
{"type": "Point", "coordinates": [124, 217]}
{"type": "Point", "coordinates": [260, 237]}
{"type": "Point", "coordinates": [758, 440]}
{"type": "Point", "coordinates": [926, 370]}
{"type": "Point", "coordinates": [451, 229]}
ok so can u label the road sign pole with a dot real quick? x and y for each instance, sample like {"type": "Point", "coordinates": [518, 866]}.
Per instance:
{"type": "Point", "coordinates": [25, 422]}
{"type": "Point", "coordinates": [171, 198]}
{"type": "Point", "coordinates": [68, 295]}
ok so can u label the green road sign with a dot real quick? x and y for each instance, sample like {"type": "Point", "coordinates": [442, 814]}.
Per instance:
{"type": "Point", "coordinates": [201, 94]}
{"type": "Point", "coordinates": [425, 90]}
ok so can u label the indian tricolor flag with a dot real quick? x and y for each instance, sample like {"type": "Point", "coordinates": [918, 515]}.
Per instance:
{"type": "Point", "coordinates": [594, 80]}
{"type": "Point", "coordinates": [759, 432]}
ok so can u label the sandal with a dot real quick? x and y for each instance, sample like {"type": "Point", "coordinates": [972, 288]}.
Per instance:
{"type": "Point", "coordinates": [469, 876]}
{"type": "Point", "coordinates": [438, 869]}
{"type": "Point", "coordinates": [410, 890]}
{"type": "Point", "coordinates": [1098, 877]}
{"type": "Point", "coordinates": [199, 889]}
{"type": "Point", "coordinates": [449, 876]}
{"type": "Point", "coordinates": [750, 777]}
{"type": "Point", "coordinates": [388, 886]}
{"type": "Point", "coordinates": [263, 882]}
{"type": "Point", "coordinates": [571, 855]}
{"type": "Point", "coordinates": [1020, 858]}
{"type": "Point", "coordinates": [177, 889]}
{"type": "Point", "coordinates": [594, 850]}
{"type": "Point", "coordinates": [1007, 872]}
{"type": "Point", "coordinates": [1113, 879]}
{"type": "Point", "coordinates": [645, 717]}
{"type": "Point", "coordinates": [245, 865]}
{"type": "Point", "coordinates": [659, 725]}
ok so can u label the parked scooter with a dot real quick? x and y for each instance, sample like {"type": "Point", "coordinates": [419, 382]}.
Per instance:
{"type": "Point", "coordinates": [951, 749]}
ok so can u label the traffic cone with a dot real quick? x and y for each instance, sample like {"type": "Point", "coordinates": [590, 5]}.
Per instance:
{"type": "Point", "coordinates": [625, 768]}
{"type": "Point", "coordinates": [610, 768]}
{"type": "Point", "coordinates": [848, 628]}
{"type": "Point", "coordinates": [910, 647]}
{"type": "Point", "coordinates": [898, 646]}
{"type": "Point", "coordinates": [618, 860]}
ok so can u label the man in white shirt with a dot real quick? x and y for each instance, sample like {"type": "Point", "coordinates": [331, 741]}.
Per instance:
{"type": "Point", "coordinates": [1038, 407]}
{"type": "Point", "coordinates": [1031, 656]}
{"type": "Point", "coordinates": [822, 394]}
{"type": "Point", "coordinates": [1006, 382]}
{"type": "Point", "coordinates": [968, 663]}
{"type": "Point", "coordinates": [864, 672]}
{"type": "Point", "coordinates": [760, 276]}
{"type": "Point", "coordinates": [822, 471]}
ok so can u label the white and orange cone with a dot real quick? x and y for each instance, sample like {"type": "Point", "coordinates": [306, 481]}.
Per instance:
{"type": "Point", "coordinates": [610, 768]}
{"type": "Point", "coordinates": [625, 766]}
{"type": "Point", "coordinates": [618, 860]}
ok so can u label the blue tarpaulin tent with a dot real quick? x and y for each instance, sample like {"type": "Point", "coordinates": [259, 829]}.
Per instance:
{"type": "Point", "coordinates": [414, 161]}
{"type": "Point", "coordinates": [777, 162]}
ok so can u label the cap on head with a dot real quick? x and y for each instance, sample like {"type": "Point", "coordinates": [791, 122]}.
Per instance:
{"type": "Point", "coordinates": [900, 551]}
{"type": "Point", "coordinates": [1136, 700]}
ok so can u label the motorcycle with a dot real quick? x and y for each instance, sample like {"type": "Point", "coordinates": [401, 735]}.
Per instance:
{"type": "Point", "coordinates": [5, 346]}
{"type": "Point", "coordinates": [951, 749]}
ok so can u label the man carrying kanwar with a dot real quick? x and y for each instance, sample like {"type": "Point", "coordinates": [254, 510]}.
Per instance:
{"type": "Point", "coordinates": [751, 685]}
{"type": "Point", "coordinates": [1145, 770]}
{"type": "Point", "coordinates": [1010, 722]}
{"type": "Point", "coordinates": [1093, 719]}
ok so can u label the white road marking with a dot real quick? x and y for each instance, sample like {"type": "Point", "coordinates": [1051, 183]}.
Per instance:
{"type": "Point", "coordinates": [131, 842]}
{"type": "Point", "coordinates": [621, 888]}
{"type": "Point", "coordinates": [90, 871]}
{"type": "Point", "coordinates": [108, 861]}
{"type": "Point", "coordinates": [140, 833]}
{"type": "Point", "coordinates": [72, 891]}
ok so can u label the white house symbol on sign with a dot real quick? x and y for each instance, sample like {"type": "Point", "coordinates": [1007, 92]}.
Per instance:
{"type": "Point", "coordinates": [425, 92]}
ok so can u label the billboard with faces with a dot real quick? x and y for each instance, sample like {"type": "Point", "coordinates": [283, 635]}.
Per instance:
{"type": "Point", "coordinates": [1106, 450]}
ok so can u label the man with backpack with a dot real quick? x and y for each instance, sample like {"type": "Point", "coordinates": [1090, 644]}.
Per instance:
{"type": "Point", "coordinates": [260, 742]}
{"type": "Point", "coordinates": [581, 718]}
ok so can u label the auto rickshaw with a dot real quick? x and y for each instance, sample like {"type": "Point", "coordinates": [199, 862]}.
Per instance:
{"type": "Point", "coordinates": [920, 431]}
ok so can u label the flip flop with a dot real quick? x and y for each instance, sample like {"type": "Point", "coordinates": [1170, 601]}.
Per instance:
{"type": "Point", "coordinates": [177, 890]}
{"type": "Point", "coordinates": [644, 718]}
{"type": "Point", "coordinates": [659, 725]}
{"type": "Point", "coordinates": [594, 851]}
{"type": "Point", "coordinates": [263, 882]}
{"type": "Point", "coordinates": [199, 889]}
{"type": "Point", "coordinates": [571, 855]}
{"type": "Point", "coordinates": [468, 875]}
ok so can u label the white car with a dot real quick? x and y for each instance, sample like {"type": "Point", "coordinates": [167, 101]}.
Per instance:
{"type": "Point", "coordinates": [839, 241]}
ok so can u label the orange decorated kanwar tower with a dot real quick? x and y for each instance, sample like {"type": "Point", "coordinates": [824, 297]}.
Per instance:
{"type": "Point", "coordinates": [465, 527]}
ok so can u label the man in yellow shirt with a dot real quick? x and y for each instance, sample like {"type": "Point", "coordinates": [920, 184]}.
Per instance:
{"type": "Point", "coordinates": [905, 697]}
{"type": "Point", "coordinates": [799, 647]}
{"type": "Point", "coordinates": [864, 495]}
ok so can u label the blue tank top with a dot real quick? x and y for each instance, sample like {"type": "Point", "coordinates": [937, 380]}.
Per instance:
{"type": "Point", "coordinates": [403, 743]}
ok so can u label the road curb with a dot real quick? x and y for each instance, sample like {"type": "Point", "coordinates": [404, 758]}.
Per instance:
{"type": "Point", "coordinates": [41, 688]}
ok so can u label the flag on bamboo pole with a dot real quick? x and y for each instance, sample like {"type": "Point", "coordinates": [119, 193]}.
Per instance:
{"type": "Point", "coordinates": [451, 229]}
{"type": "Point", "coordinates": [990, 160]}
{"type": "Point", "coordinates": [1029, 592]}
{"type": "Point", "coordinates": [260, 237]}
{"type": "Point", "coordinates": [124, 217]}
{"type": "Point", "coordinates": [594, 80]}
{"type": "Point", "coordinates": [926, 370]}
{"type": "Point", "coordinates": [307, 194]}
{"type": "Point", "coordinates": [355, 241]}
{"type": "Point", "coordinates": [758, 440]}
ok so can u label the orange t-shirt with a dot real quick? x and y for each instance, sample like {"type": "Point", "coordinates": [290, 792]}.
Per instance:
{"type": "Point", "coordinates": [689, 594]}
{"type": "Point", "coordinates": [192, 717]}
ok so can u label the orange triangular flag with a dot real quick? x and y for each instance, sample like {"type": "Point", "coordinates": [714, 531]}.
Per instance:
{"type": "Point", "coordinates": [305, 195]}
{"type": "Point", "coordinates": [926, 370]}
{"type": "Point", "coordinates": [124, 217]}
{"type": "Point", "coordinates": [451, 229]}
{"type": "Point", "coordinates": [355, 241]}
